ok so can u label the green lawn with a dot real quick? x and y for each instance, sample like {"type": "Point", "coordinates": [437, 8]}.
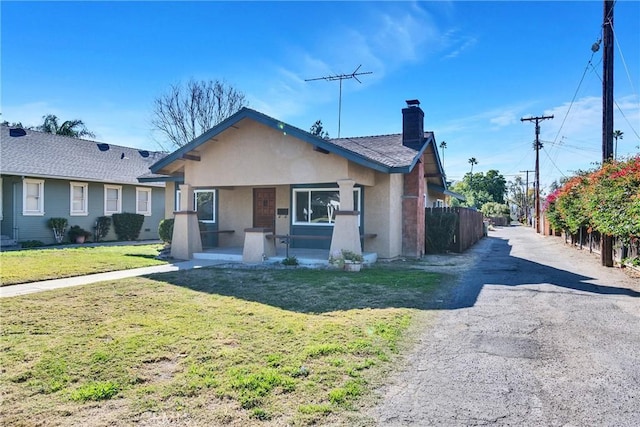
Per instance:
{"type": "Point", "coordinates": [43, 264]}
{"type": "Point", "coordinates": [209, 347]}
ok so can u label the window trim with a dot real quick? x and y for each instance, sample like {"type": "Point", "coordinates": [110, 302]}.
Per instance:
{"type": "Point", "coordinates": [215, 200]}
{"type": "Point", "coordinates": [85, 200]}
{"type": "Point", "coordinates": [294, 207]}
{"type": "Point", "coordinates": [119, 208]}
{"type": "Point", "coordinates": [40, 210]}
{"type": "Point", "coordinates": [149, 192]}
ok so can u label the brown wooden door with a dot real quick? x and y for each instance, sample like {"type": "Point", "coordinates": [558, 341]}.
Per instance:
{"type": "Point", "coordinates": [264, 208]}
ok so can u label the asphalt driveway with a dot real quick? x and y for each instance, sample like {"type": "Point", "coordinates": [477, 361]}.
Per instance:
{"type": "Point", "coordinates": [534, 334]}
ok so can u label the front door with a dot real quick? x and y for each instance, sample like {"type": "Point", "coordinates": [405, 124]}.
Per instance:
{"type": "Point", "coordinates": [264, 208]}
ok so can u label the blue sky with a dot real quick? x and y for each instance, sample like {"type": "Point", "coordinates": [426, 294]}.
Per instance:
{"type": "Point", "coordinates": [476, 67]}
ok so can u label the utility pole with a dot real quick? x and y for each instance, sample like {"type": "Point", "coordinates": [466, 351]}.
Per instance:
{"type": "Point", "coordinates": [606, 246]}
{"type": "Point", "coordinates": [526, 195]}
{"type": "Point", "coordinates": [538, 146]}
{"type": "Point", "coordinates": [341, 77]}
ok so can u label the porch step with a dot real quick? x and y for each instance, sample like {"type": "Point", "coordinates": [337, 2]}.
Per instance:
{"type": "Point", "coordinates": [7, 242]}
{"type": "Point", "coordinates": [218, 256]}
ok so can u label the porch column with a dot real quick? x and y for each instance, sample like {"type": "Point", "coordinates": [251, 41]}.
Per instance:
{"type": "Point", "coordinates": [346, 234]}
{"type": "Point", "coordinates": [257, 245]}
{"type": "Point", "coordinates": [186, 231]}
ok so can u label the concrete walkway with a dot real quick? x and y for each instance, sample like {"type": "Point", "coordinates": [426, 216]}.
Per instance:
{"type": "Point", "coordinates": [47, 285]}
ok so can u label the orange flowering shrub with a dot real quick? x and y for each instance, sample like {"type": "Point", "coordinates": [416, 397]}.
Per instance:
{"type": "Point", "coordinates": [607, 200]}
{"type": "Point", "coordinates": [613, 199]}
{"type": "Point", "coordinates": [570, 204]}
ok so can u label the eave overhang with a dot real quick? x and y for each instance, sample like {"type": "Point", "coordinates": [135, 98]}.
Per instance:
{"type": "Point", "coordinates": [247, 113]}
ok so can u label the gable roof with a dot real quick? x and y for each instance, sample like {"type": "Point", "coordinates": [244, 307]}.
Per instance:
{"type": "Point", "coordinates": [45, 155]}
{"type": "Point", "coordinates": [384, 153]}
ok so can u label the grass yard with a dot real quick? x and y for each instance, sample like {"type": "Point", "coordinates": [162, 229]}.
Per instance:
{"type": "Point", "coordinates": [42, 264]}
{"type": "Point", "coordinates": [209, 347]}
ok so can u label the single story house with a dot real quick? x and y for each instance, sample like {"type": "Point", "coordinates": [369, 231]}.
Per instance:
{"type": "Point", "coordinates": [44, 175]}
{"type": "Point", "coordinates": [253, 177]}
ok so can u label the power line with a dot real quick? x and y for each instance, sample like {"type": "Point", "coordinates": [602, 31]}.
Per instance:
{"type": "Point", "coordinates": [594, 49]}
{"type": "Point", "coordinates": [624, 116]}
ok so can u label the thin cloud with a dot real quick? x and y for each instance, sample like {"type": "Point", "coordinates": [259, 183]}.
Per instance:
{"type": "Point", "coordinates": [385, 38]}
{"type": "Point", "coordinates": [464, 44]}
{"type": "Point", "coordinates": [504, 119]}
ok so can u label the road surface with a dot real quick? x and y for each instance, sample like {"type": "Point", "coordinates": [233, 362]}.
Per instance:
{"type": "Point", "coordinates": [534, 334]}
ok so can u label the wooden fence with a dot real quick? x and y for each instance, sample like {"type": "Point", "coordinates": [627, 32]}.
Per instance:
{"type": "Point", "coordinates": [469, 227]}
{"type": "Point", "coordinates": [590, 241]}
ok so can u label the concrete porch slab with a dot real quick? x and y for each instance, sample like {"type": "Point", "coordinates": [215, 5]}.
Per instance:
{"type": "Point", "coordinates": [306, 257]}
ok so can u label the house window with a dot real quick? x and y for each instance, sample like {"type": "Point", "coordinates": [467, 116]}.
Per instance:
{"type": "Point", "coordinates": [204, 205]}
{"type": "Point", "coordinates": [112, 199]}
{"type": "Point", "coordinates": [0, 199]}
{"type": "Point", "coordinates": [143, 201]}
{"type": "Point", "coordinates": [318, 206]}
{"type": "Point", "coordinates": [204, 202]}
{"type": "Point", "coordinates": [33, 197]}
{"type": "Point", "coordinates": [79, 198]}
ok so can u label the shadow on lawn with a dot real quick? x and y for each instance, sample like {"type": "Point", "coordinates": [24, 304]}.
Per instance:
{"type": "Point", "coordinates": [315, 291]}
{"type": "Point", "coordinates": [145, 256]}
{"type": "Point", "coordinates": [321, 291]}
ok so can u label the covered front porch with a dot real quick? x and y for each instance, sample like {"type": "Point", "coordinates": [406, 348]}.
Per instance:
{"type": "Point", "coordinates": [283, 217]}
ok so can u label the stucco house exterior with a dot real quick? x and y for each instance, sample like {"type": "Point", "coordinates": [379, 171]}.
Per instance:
{"type": "Point", "coordinates": [252, 177]}
{"type": "Point", "coordinates": [44, 175]}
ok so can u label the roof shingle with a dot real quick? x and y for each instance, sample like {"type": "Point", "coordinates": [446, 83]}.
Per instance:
{"type": "Point", "coordinates": [384, 149]}
{"type": "Point", "coordinates": [48, 155]}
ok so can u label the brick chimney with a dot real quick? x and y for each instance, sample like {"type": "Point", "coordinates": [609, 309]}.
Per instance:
{"type": "Point", "coordinates": [412, 125]}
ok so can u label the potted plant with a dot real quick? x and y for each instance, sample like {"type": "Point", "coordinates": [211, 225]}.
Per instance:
{"type": "Point", "coordinates": [78, 234]}
{"type": "Point", "coordinates": [347, 260]}
{"type": "Point", "coordinates": [58, 225]}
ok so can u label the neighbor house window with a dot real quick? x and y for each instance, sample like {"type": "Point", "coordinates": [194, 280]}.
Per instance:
{"type": "Point", "coordinates": [318, 206]}
{"type": "Point", "coordinates": [143, 201]}
{"type": "Point", "coordinates": [33, 197]}
{"type": "Point", "coordinates": [79, 192]}
{"type": "Point", "coordinates": [204, 205]}
{"type": "Point", "coordinates": [112, 199]}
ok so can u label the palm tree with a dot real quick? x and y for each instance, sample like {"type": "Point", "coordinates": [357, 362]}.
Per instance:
{"type": "Point", "coordinates": [472, 161]}
{"type": "Point", "coordinates": [74, 128]}
{"type": "Point", "coordinates": [616, 134]}
{"type": "Point", "coordinates": [443, 145]}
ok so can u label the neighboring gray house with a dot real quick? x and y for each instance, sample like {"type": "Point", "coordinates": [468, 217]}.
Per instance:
{"type": "Point", "coordinates": [43, 175]}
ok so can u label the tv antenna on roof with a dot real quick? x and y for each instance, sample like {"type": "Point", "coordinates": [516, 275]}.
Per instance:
{"type": "Point", "coordinates": [341, 77]}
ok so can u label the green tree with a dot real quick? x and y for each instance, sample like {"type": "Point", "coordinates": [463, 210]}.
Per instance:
{"type": "Point", "coordinates": [617, 134]}
{"type": "Point", "coordinates": [493, 209]}
{"type": "Point", "coordinates": [318, 130]}
{"type": "Point", "coordinates": [74, 128]}
{"type": "Point", "coordinates": [443, 146]}
{"type": "Point", "coordinates": [479, 188]}
{"type": "Point", "coordinates": [518, 196]}
{"type": "Point", "coordinates": [472, 161]}
{"type": "Point", "coordinates": [13, 124]}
